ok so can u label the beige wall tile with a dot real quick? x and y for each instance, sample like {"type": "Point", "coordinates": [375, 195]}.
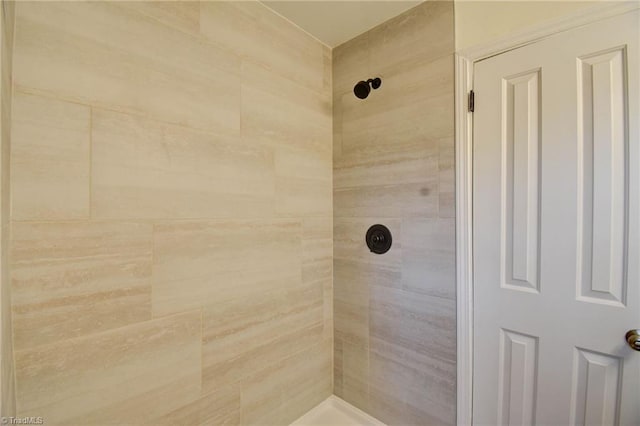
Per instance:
{"type": "Point", "coordinates": [282, 392]}
{"type": "Point", "coordinates": [351, 64]}
{"type": "Point", "coordinates": [146, 169]}
{"type": "Point", "coordinates": [200, 263]}
{"type": "Point", "coordinates": [72, 279]}
{"type": "Point", "coordinates": [351, 323]}
{"type": "Point", "coordinates": [272, 119]}
{"type": "Point", "coordinates": [122, 376]}
{"type": "Point", "coordinates": [115, 57]}
{"type": "Point", "coordinates": [7, 372]}
{"type": "Point", "coordinates": [423, 33]}
{"type": "Point", "coordinates": [254, 32]}
{"type": "Point", "coordinates": [261, 339]}
{"type": "Point", "coordinates": [428, 257]}
{"type": "Point", "coordinates": [446, 165]}
{"type": "Point", "coordinates": [49, 159]}
{"type": "Point", "coordinates": [393, 164]}
{"type": "Point", "coordinates": [419, 397]}
{"type": "Point", "coordinates": [406, 318]}
{"type": "Point", "coordinates": [207, 121]}
{"type": "Point", "coordinates": [183, 15]}
{"type": "Point", "coordinates": [303, 197]}
{"type": "Point", "coordinates": [397, 201]}
{"type": "Point", "coordinates": [218, 408]}
{"type": "Point", "coordinates": [355, 379]}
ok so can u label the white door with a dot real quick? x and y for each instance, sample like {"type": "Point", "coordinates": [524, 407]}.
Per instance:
{"type": "Point", "coordinates": [556, 204]}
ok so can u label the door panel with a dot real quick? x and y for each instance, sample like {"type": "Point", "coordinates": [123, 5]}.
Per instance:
{"type": "Point", "coordinates": [557, 229]}
{"type": "Point", "coordinates": [602, 98]}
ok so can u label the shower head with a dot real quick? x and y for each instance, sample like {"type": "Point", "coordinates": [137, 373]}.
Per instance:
{"type": "Point", "coordinates": [362, 89]}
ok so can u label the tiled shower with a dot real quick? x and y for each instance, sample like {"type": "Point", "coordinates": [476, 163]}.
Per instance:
{"type": "Point", "coordinates": [186, 188]}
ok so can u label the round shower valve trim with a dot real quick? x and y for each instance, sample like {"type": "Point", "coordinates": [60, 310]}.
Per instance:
{"type": "Point", "coordinates": [378, 239]}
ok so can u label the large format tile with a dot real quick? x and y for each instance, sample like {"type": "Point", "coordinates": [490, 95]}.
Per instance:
{"type": "Point", "coordinates": [205, 262]}
{"type": "Point", "coordinates": [7, 371]}
{"type": "Point", "coordinates": [114, 57]}
{"type": "Point", "coordinates": [218, 408]}
{"type": "Point", "coordinates": [317, 262]}
{"type": "Point", "coordinates": [394, 201]}
{"type": "Point", "coordinates": [447, 179]}
{"type": "Point", "coordinates": [282, 392]}
{"type": "Point", "coordinates": [71, 279]}
{"type": "Point", "coordinates": [394, 313]}
{"type": "Point", "coordinates": [255, 33]}
{"type": "Point", "coordinates": [275, 120]}
{"type": "Point", "coordinates": [236, 349]}
{"type": "Point", "coordinates": [429, 257]}
{"type": "Point", "coordinates": [121, 376]}
{"type": "Point", "coordinates": [422, 33]}
{"type": "Point", "coordinates": [352, 378]}
{"type": "Point", "coordinates": [422, 323]}
{"type": "Point", "coordinates": [49, 159]}
{"type": "Point", "coordinates": [183, 15]}
{"type": "Point", "coordinates": [424, 385]}
{"type": "Point", "coordinates": [143, 168]}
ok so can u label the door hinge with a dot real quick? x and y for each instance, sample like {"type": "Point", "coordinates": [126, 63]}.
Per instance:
{"type": "Point", "coordinates": [472, 101]}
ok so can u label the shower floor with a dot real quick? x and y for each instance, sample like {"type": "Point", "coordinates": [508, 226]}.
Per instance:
{"type": "Point", "coordinates": [334, 411]}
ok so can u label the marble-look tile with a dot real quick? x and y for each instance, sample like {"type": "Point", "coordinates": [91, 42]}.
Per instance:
{"type": "Point", "coordinates": [401, 167]}
{"type": "Point", "coordinates": [7, 370]}
{"type": "Point", "coordinates": [447, 184]}
{"type": "Point", "coordinates": [351, 64]}
{"type": "Point", "coordinates": [308, 380]}
{"type": "Point", "coordinates": [280, 393]}
{"type": "Point", "coordinates": [253, 32]}
{"type": "Point", "coordinates": [241, 336]}
{"type": "Point", "coordinates": [351, 322]}
{"type": "Point", "coordinates": [355, 380]}
{"type": "Point", "coordinates": [302, 197]}
{"type": "Point", "coordinates": [338, 370]}
{"type": "Point", "coordinates": [207, 120]}
{"type": "Point", "coordinates": [117, 58]}
{"type": "Point", "coordinates": [428, 257]}
{"type": "Point", "coordinates": [143, 168]}
{"type": "Point", "coordinates": [396, 201]}
{"type": "Point", "coordinates": [317, 228]}
{"type": "Point", "coordinates": [277, 84]}
{"type": "Point", "coordinates": [71, 279]}
{"type": "Point", "coordinates": [423, 383]}
{"type": "Point", "coordinates": [422, 33]}
{"type": "Point", "coordinates": [127, 375]}
{"type": "Point", "coordinates": [422, 323]}
{"type": "Point", "coordinates": [49, 159]}
{"type": "Point", "coordinates": [183, 15]}
{"type": "Point", "coordinates": [205, 262]}
{"type": "Point", "coordinates": [412, 109]}
{"type": "Point", "coordinates": [317, 263]}
{"type": "Point", "coordinates": [393, 411]}
{"type": "Point", "coordinates": [276, 120]}
{"type": "Point", "coordinates": [218, 408]}
{"type": "Point", "coordinates": [393, 164]}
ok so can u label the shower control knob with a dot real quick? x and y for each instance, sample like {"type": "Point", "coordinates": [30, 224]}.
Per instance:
{"type": "Point", "coordinates": [378, 239]}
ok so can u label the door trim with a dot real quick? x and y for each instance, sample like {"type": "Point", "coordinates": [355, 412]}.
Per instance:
{"type": "Point", "coordinates": [464, 64]}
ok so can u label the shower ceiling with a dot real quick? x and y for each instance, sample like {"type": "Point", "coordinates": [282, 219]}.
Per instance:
{"type": "Point", "coordinates": [335, 22]}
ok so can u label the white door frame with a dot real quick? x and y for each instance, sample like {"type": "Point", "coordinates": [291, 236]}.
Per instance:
{"type": "Point", "coordinates": [465, 60]}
